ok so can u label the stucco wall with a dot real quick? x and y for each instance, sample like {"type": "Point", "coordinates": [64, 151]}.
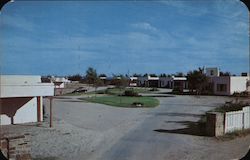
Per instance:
{"type": "Point", "coordinates": [221, 80]}
{"type": "Point", "coordinates": [24, 86]}
{"type": "Point", "coordinates": [19, 79]}
{"type": "Point", "coordinates": [238, 84]}
{"type": "Point", "coordinates": [27, 112]}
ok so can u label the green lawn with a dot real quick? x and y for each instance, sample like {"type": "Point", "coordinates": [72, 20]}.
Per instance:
{"type": "Point", "coordinates": [111, 91]}
{"type": "Point", "coordinates": [118, 91]}
{"type": "Point", "coordinates": [122, 101]}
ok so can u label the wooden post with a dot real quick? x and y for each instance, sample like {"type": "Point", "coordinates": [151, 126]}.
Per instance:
{"type": "Point", "coordinates": [38, 109]}
{"type": "Point", "coordinates": [12, 119]}
{"type": "Point", "coordinates": [50, 114]}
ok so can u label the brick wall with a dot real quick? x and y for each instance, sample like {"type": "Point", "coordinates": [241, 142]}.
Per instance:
{"type": "Point", "coordinates": [16, 147]}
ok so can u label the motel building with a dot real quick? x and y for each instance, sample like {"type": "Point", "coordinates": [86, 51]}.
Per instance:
{"type": "Point", "coordinates": [21, 98]}
{"type": "Point", "coordinates": [173, 82]}
{"type": "Point", "coordinates": [226, 85]}
{"type": "Point", "coordinates": [148, 81]}
{"type": "Point", "coordinates": [133, 81]}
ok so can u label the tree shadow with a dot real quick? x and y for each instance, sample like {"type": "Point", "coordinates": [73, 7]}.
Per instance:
{"type": "Point", "coordinates": [193, 128]}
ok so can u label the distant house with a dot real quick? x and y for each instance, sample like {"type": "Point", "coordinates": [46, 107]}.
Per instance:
{"type": "Point", "coordinates": [133, 81]}
{"type": "Point", "coordinates": [226, 85]}
{"type": "Point", "coordinates": [173, 82]}
{"type": "Point", "coordinates": [22, 98]}
{"type": "Point", "coordinates": [60, 82]}
{"type": "Point", "coordinates": [212, 72]}
{"type": "Point", "coordinates": [148, 81]}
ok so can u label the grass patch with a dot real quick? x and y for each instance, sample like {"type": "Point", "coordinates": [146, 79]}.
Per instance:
{"type": "Point", "coordinates": [123, 101]}
{"type": "Point", "coordinates": [120, 91]}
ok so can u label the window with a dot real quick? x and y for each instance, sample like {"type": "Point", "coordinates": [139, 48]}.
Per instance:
{"type": "Point", "coordinates": [221, 87]}
{"type": "Point", "coordinates": [211, 72]}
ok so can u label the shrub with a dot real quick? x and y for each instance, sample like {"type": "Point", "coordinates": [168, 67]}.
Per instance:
{"type": "Point", "coordinates": [130, 93]}
{"type": "Point", "coordinates": [232, 106]}
{"type": "Point", "coordinates": [240, 94]}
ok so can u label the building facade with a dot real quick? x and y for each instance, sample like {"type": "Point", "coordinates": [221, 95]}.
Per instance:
{"type": "Point", "coordinates": [22, 98]}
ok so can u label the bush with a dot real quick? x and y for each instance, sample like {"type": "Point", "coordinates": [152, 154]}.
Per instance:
{"type": "Point", "coordinates": [232, 106]}
{"type": "Point", "coordinates": [130, 93]}
{"type": "Point", "coordinates": [240, 94]}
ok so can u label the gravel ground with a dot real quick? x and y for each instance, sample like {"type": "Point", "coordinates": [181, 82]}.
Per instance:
{"type": "Point", "coordinates": [99, 132]}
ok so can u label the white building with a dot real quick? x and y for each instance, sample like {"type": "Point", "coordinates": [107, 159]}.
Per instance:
{"type": "Point", "coordinates": [60, 82]}
{"type": "Point", "coordinates": [227, 85]}
{"type": "Point", "coordinates": [133, 81]}
{"type": "Point", "coordinates": [22, 98]}
{"type": "Point", "coordinates": [148, 81]}
{"type": "Point", "coordinates": [212, 72]}
{"type": "Point", "coordinates": [173, 82]}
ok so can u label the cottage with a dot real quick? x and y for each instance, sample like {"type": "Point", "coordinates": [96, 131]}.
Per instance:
{"type": "Point", "coordinates": [226, 85]}
{"type": "Point", "coordinates": [148, 81]}
{"type": "Point", "coordinates": [22, 98]}
{"type": "Point", "coordinates": [173, 82]}
{"type": "Point", "coordinates": [133, 81]}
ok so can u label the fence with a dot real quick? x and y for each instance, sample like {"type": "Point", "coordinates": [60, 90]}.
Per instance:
{"type": "Point", "coordinates": [237, 120]}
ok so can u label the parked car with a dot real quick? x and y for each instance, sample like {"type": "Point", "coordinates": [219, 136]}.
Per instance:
{"type": "Point", "coordinates": [80, 90]}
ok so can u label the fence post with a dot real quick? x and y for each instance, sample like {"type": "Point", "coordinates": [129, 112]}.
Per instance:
{"type": "Point", "coordinates": [243, 119]}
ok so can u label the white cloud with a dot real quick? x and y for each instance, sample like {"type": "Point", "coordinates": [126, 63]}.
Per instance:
{"type": "Point", "coordinates": [144, 26]}
{"type": "Point", "coordinates": [17, 22]}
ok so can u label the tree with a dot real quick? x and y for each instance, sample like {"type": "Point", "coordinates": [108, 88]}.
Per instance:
{"type": "Point", "coordinates": [91, 75]}
{"type": "Point", "coordinates": [97, 83]}
{"type": "Point", "coordinates": [120, 82]}
{"type": "Point", "coordinates": [102, 75]}
{"type": "Point", "coordinates": [179, 74]}
{"type": "Point", "coordinates": [163, 75]}
{"type": "Point", "coordinates": [145, 75]}
{"type": "Point", "coordinates": [225, 74]}
{"type": "Point", "coordinates": [136, 75]}
{"type": "Point", "coordinates": [153, 75]}
{"type": "Point", "coordinates": [76, 77]}
{"type": "Point", "coordinates": [197, 81]}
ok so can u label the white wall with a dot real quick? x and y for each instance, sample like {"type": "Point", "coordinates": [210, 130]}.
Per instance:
{"type": "Point", "coordinates": [19, 79]}
{"type": "Point", "coordinates": [27, 113]}
{"type": "Point", "coordinates": [26, 90]}
{"type": "Point", "coordinates": [215, 71]}
{"type": "Point", "coordinates": [24, 86]}
{"type": "Point", "coordinates": [238, 84]}
{"type": "Point", "coordinates": [62, 85]}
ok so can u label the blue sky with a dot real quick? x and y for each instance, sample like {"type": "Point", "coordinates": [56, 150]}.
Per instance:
{"type": "Point", "coordinates": [66, 37]}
